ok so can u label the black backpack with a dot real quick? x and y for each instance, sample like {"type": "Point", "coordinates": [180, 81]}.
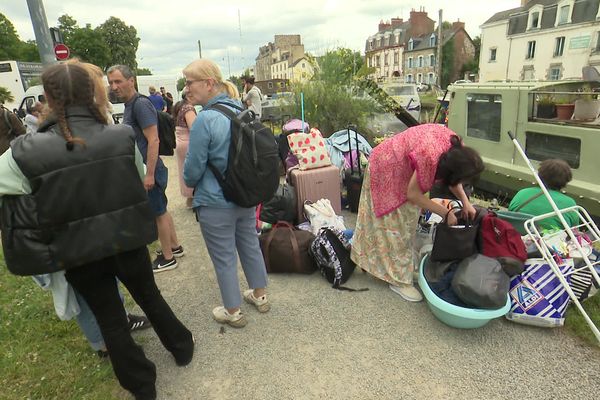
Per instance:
{"type": "Point", "coordinates": [166, 131]}
{"type": "Point", "coordinates": [331, 252]}
{"type": "Point", "coordinates": [252, 174]}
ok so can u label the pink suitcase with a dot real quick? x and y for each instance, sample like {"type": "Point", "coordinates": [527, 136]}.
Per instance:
{"type": "Point", "coordinates": [316, 184]}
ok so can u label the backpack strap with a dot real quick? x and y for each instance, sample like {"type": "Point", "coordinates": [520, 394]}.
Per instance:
{"type": "Point", "coordinates": [529, 200]}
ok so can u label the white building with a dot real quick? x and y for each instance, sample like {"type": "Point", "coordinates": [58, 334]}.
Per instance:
{"type": "Point", "coordinates": [541, 40]}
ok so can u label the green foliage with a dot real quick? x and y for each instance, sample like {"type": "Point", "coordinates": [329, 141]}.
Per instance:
{"type": "Point", "coordinates": [88, 45]}
{"type": "Point", "coordinates": [12, 48]}
{"type": "Point", "coordinates": [447, 63]}
{"type": "Point", "coordinates": [5, 95]}
{"type": "Point", "coordinates": [577, 324]}
{"type": "Point", "coordinates": [143, 72]}
{"type": "Point", "coordinates": [339, 66]}
{"type": "Point", "coordinates": [446, 25]}
{"type": "Point", "coordinates": [237, 81]}
{"type": "Point", "coordinates": [122, 42]}
{"type": "Point", "coordinates": [180, 84]}
{"type": "Point", "coordinates": [323, 107]}
{"type": "Point", "coordinates": [67, 25]}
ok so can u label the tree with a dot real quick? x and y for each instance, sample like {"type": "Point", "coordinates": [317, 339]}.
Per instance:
{"type": "Point", "coordinates": [447, 63]}
{"type": "Point", "coordinates": [339, 66]}
{"type": "Point", "coordinates": [11, 44]}
{"type": "Point", "coordinates": [5, 95]}
{"type": "Point", "coordinates": [29, 52]}
{"type": "Point", "coordinates": [88, 45]}
{"type": "Point", "coordinates": [122, 42]}
{"type": "Point", "coordinates": [180, 84]}
{"type": "Point", "coordinates": [237, 81]}
{"type": "Point", "coordinates": [143, 71]}
{"type": "Point", "coordinates": [67, 25]}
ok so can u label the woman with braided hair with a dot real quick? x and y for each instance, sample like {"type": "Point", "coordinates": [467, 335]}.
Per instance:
{"type": "Point", "coordinates": [401, 170]}
{"type": "Point", "coordinates": [73, 200]}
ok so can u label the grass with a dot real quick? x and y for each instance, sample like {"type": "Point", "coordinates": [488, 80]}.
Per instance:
{"type": "Point", "coordinates": [578, 326]}
{"type": "Point", "coordinates": [42, 357]}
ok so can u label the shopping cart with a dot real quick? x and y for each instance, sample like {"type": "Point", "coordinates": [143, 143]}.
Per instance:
{"type": "Point", "coordinates": [551, 245]}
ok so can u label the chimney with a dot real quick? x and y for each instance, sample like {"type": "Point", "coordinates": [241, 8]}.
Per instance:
{"type": "Point", "coordinates": [419, 23]}
{"type": "Point", "coordinates": [384, 26]}
{"type": "Point", "coordinates": [457, 25]}
{"type": "Point", "coordinates": [396, 22]}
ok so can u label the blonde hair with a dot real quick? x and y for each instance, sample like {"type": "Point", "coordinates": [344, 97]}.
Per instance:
{"type": "Point", "coordinates": [206, 69]}
{"type": "Point", "coordinates": [100, 92]}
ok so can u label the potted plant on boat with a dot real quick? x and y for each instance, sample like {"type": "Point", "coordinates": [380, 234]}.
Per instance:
{"type": "Point", "coordinates": [546, 106]}
{"type": "Point", "coordinates": [587, 105]}
{"type": "Point", "coordinates": [564, 107]}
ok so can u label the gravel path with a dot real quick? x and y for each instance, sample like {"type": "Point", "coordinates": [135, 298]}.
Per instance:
{"type": "Point", "coordinates": [320, 343]}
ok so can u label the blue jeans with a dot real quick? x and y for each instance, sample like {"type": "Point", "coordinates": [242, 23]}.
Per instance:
{"type": "Point", "coordinates": [229, 232]}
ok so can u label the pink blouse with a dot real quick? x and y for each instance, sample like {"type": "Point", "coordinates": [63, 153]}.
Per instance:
{"type": "Point", "coordinates": [394, 161]}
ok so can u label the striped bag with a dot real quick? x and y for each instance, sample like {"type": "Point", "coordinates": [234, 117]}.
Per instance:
{"type": "Point", "coordinates": [537, 296]}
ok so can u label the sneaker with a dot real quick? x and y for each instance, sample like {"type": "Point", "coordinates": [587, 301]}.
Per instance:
{"type": "Point", "coordinates": [160, 264]}
{"type": "Point", "coordinates": [138, 322]}
{"type": "Point", "coordinates": [261, 303]}
{"type": "Point", "coordinates": [237, 319]}
{"type": "Point", "coordinates": [407, 292]}
{"type": "Point", "coordinates": [177, 252]}
{"type": "Point", "coordinates": [102, 354]}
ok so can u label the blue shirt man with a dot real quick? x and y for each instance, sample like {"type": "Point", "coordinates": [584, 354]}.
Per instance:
{"type": "Point", "coordinates": [157, 101]}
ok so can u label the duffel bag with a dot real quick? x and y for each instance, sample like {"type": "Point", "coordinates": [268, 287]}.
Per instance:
{"type": "Point", "coordinates": [282, 207]}
{"type": "Point", "coordinates": [285, 249]}
{"type": "Point", "coordinates": [481, 282]}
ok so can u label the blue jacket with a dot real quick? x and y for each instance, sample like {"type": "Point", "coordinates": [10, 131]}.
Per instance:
{"type": "Point", "coordinates": [209, 140]}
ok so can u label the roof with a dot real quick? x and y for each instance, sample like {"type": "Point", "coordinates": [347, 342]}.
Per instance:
{"type": "Point", "coordinates": [583, 11]}
{"type": "Point", "coordinates": [422, 42]}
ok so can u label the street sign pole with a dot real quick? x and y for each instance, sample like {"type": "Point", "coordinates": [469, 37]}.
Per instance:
{"type": "Point", "coordinates": [42, 33]}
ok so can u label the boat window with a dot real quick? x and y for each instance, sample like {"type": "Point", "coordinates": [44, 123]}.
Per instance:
{"type": "Point", "coordinates": [540, 147]}
{"type": "Point", "coordinates": [484, 112]}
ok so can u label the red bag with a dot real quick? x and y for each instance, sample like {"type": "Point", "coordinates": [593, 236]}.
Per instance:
{"type": "Point", "coordinates": [498, 238]}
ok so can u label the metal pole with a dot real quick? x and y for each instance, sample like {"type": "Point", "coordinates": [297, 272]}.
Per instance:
{"type": "Point", "coordinates": [42, 33]}
{"type": "Point", "coordinates": [199, 49]}
{"type": "Point", "coordinates": [440, 39]}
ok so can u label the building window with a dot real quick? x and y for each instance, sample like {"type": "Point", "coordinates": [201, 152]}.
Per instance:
{"type": "Point", "coordinates": [430, 78]}
{"type": "Point", "coordinates": [559, 46]}
{"type": "Point", "coordinates": [563, 14]}
{"type": "Point", "coordinates": [396, 57]}
{"type": "Point", "coordinates": [303, 65]}
{"type": "Point", "coordinates": [410, 62]}
{"type": "Point", "coordinates": [432, 41]}
{"type": "Point", "coordinates": [554, 73]}
{"type": "Point", "coordinates": [409, 78]}
{"type": "Point", "coordinates": [385, 60]}
{"type": "Point", "coordinates": [528, 73]}
{"type": "Point", "coordinates": [530, 49]}
{"type": "Point", "coordinates": [484, 113]}
{"type": "Point", "coordinates": [493, 54]}
{"type": "Point", "coordinates": [270, 85]}
{"type": "Point", "coordinates": [377, 59]}
{"type": "Point", "coordinates": [534, 17]}
{"type": "Point", "coordinates": [410, 44]}
{"type": "Point", "coordinates": [419, 78]}
{"type": "Point", "coordinates": [420, 61]}
{"type": "Point", "coordinates": [598, 39]}
{"type": "Point", "coordinates": [431, 60]}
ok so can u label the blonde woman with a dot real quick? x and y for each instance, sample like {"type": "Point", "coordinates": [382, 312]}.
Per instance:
{"type": "Point", "coordinates": [228, 229]}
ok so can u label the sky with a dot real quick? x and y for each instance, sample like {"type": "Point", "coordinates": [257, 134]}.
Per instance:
{"type": "Point", "coordinates": [232, 32]}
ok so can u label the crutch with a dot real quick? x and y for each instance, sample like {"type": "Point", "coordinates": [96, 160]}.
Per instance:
{"type": "Point", "coordinates": [533, 232]}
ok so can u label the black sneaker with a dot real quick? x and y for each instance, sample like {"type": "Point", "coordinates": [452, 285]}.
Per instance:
{"type": "Point", "coordinates": [160, 264]}
{"type": "Point", "coordinates": [138, 322]}
{"type": "Point", "coordinates": [177, 252]}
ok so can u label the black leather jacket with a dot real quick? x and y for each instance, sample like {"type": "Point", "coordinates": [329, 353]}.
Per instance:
{"type": "Point", "coordinates": [85, 204]}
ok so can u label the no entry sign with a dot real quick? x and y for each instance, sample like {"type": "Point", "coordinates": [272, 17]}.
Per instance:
{"type": "Point", "coordinates": [61, 51]}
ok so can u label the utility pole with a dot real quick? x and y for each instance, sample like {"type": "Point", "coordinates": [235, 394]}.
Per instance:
{"type": "Point", "coordinates": [199, 49]}
{"type": "Point", "coordinates": [439, 50]}
{"type": "Point", "coordinates": [42, 33]}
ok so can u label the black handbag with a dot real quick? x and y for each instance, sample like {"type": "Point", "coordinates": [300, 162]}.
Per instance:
{"type": "Point", "coordinates": [454, 242]}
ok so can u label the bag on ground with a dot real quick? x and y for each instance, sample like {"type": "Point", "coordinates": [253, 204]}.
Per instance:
{"type": "Point", "coordinates": [252, 174]}
{"type": "Point", "coordinates": [331, 252]}
{"type": "Point", "coordinates": [282, 207]}
{"type": "Point", "coordinates": [537, 296]}
{"type": "Point", "coordinates": [286, 249]}
{"type": "Point", "coordinates": [321, 214]}
{"type": "Point", "coordinates": [481, 282]}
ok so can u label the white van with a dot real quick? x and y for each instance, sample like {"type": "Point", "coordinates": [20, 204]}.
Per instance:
{"type": "Point", "coordinates": [36, 93]}
{"type": "Point", "coordinates": [406, 95]}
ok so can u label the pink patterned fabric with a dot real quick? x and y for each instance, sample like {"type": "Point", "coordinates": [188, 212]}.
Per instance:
{"type": "Point", "coordinates": [187, 107]}
{"type": "Point", "coordinates": [394, 161]}
{"type": "Point", "coordinates": [182, 137]}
